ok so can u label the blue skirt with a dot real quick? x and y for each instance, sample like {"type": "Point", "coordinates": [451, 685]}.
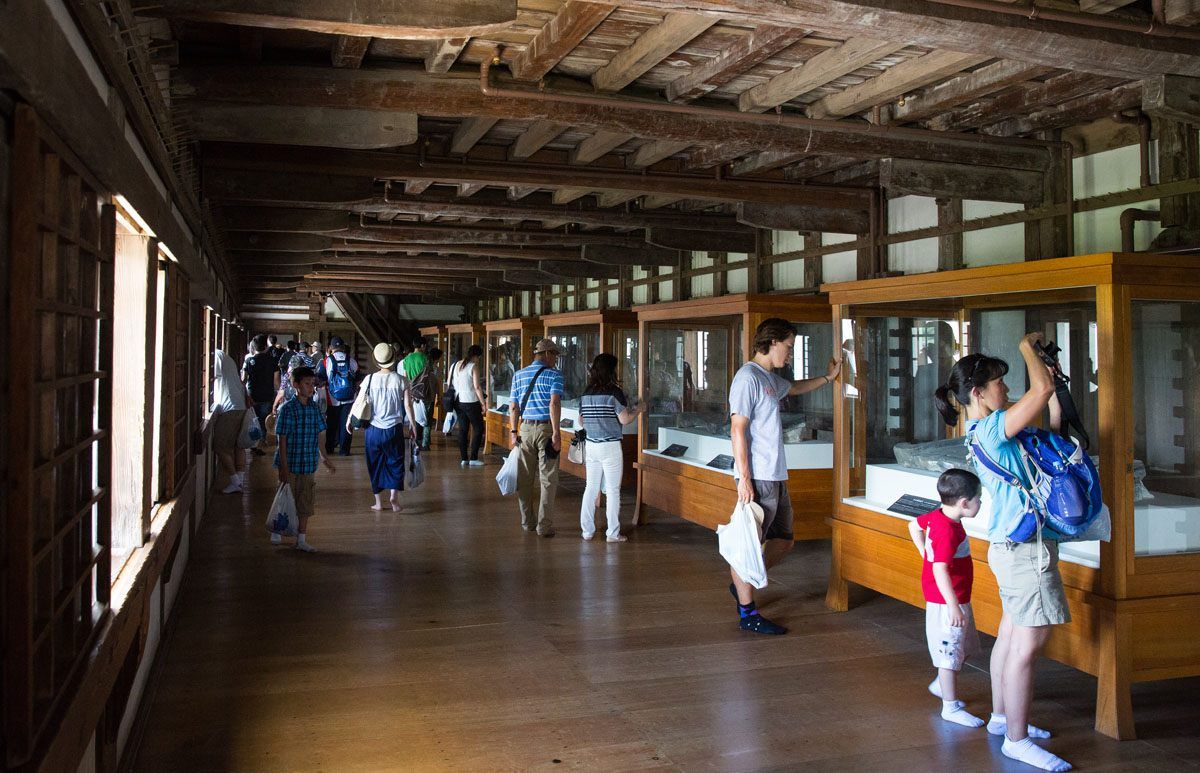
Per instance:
{"type": "Point", "coordinates": [385, 457]}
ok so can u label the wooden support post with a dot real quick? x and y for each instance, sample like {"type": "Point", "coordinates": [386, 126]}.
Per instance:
{"type": "Point", "coordinates": [1051, 237]}
{"type": "Point", "coordinates": [720, 276]}
{"type": "Point", "coordinates": [950, 246]}
{"type": "Point", "coordinates": [1178, 159]}
{"type": "Point", "coordinates": [681, 289]}
{"type": "Point", "coordinates": [625, 291]}
{"type": "Point", "coordinates": [813, 267]}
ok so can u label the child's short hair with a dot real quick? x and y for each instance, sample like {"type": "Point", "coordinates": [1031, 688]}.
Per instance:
{"type": "Point", "coordinates": [299, 374]}
{"type": "Point", "coordinates": [957, 484]}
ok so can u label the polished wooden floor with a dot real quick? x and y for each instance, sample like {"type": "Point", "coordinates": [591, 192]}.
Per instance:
{"type": "Point", "coordinates": [445, 638]}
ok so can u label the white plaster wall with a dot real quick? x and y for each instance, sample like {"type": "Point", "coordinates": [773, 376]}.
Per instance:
{"type": "Point", "coordinates": [702, 286]}
{"type": "Point", "coordinates": [666, 290]}
{"type": "Point", "coordinates": [839, 266]}
{"type": "Point", "coordinates": [642, 292]}
{"type": "Point", "coordinates": [789, 274]}
{"type": "Point", "coordinates": [1107, 172]}
{"type": "Point", "coordinates": [908, 213]}
{"type": "Point", "coordinates": [736, 280]}
{"type": "Point", "coordinates": [992, 246]}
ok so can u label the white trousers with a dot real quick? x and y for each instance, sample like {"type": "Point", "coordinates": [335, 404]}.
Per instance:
{"type": "Point", "coordinates": [604, 463]}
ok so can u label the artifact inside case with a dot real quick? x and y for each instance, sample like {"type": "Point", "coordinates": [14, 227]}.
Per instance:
{"type": "Point", "coordinates": [505, 349]}
{"type": "Point", "coordinates": [899, 443]}
{"type": "Point", "coordinates": [690, 367]}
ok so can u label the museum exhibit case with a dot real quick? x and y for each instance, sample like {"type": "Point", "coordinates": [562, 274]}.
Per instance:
{"type": "Point", "coordinates": [436, 337]}
{"type": "Point", "coordinates": [459, 338]}
{"type": "Point", "coordinates": [581, 335]}
{"type": "Point", "coordinates": [1129, 329]}
{"type": "Point", "coordinates": [689, 352]}
{"type": "Point", "coordinates": [508, 348]}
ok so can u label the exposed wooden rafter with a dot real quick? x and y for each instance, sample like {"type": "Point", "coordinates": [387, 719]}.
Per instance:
{"type": "Point", "coordinates": [573, 22]}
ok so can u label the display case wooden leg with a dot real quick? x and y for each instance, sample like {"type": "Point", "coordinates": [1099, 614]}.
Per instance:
{"type": "Point", "coordinates": [837, 597]}
{"type": "Point", "coordinates": [1114, 703]}
{"type": "Point", "coordinates": [637, 502]}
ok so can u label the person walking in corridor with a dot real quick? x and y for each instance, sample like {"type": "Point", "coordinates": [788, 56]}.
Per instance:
{"type": "Point", "coordinates": [535, 412]}
{"type": "Point", "coordinates": [299, 429]}
{"type": "Point", "coordinates": [229, 409]}
{"type": "Point", "coordinates": [604, 410]}
{"type": "Point", "coordinates": [469, 399]}
{"type": "Point", "coordinates": [341, 373]}
{"type": "Point", "coordinates": [387, 393]}
{"type": "Point", "coordinates": [261, 378]}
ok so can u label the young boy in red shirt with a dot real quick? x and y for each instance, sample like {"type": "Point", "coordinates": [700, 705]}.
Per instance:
{"type": "Point", "coordinates": [946, 577]}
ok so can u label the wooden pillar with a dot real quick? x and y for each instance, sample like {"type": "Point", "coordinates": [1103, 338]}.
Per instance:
{"type": "Point", "coordinates": [625, 289]}
{"type": "Point", "coordinates": [681, 286]}
{"type": "Point", "coordinates": [814, 266]}
{"type": "Point", "coordinates": [1178, 159]}
{"type": "Point", "coordinates": [950, 246]}
{"type": "Point", "coordinates": [719, 275]}
{"type": "Point", "coordinates": [1052, 237]}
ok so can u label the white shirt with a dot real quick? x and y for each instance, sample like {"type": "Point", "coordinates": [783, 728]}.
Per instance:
{"type": "Point", "coordinates": [464, 383]}
{"type": "Point", "coordinates": [385, 392]}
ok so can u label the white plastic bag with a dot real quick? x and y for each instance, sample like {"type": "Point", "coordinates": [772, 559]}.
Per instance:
{"type": "Point", "coordinates": [282, 518]}
{"type": "Point", "coordinates": [507, 477]}
{"type": "Point", "coordinates": [448, 424]}
{"type": "Point", "coordinates": [740, 543]}
{"type": "Point", "coordinates": [414, 471]}
{"type": "Point", "coordinates": [1100, 529]}
{"type": "Point", "coordinates": [251, 432]}
{"type": "Point", "coordinates": [419, 413]}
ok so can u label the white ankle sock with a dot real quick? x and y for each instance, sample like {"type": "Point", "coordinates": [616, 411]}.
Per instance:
{"type": "Point", "coordinates": [955, 711]}
{"type": "Point", "coordinates": [1030, 753]}
{"type": "Point", "coordinates": [301, 539]}
{"type": "Point", "coordinates": [276, 539]}
{"type": "Point", "coordinates": [935, 687]}
{"type": "Point", "coordinates": [998, 725]}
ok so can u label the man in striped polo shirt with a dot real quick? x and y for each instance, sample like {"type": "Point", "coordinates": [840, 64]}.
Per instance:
{"type": "Point", "coordinates": [538, 438]}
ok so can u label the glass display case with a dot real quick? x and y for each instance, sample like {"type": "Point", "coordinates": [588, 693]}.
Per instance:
{"type": "Point", "coordinates": [509, 347]}
{"type": "Point", "coordinates": [689, 354]}
{"type": "Point", "coordinates": [459, 338]}
{"type": "Point", "coordinates": [581, 335]}
{"type": "Point", "coordinates": [1128, 325]}
{"type": "Point", "coordinates": [435, 337]}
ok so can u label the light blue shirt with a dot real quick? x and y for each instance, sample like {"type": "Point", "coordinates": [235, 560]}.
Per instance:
{"type": "Point", "coordinates": [548, 384]}
{"type": "Point", "coordinates": [1008, 502]}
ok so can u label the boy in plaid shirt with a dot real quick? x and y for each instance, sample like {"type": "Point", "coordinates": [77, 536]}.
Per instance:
{"type": "Point", "coordinates": [300, 427]}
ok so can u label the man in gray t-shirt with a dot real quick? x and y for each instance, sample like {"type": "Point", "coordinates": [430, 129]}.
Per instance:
{"type": "Point", "coordinates": [758, 459]}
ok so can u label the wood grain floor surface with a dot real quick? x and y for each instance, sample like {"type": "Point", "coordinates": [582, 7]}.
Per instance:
{"type": "Point", "coordinates": [445, 638]}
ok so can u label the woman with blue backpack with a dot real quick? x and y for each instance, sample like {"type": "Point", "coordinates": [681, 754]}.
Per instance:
{"type": "Point", "coordinates": [1025, 565]}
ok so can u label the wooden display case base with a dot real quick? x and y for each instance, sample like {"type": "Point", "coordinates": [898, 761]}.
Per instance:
{"type": "Point", "coordinates": [707, 497]}
{"type": "Point", "coordinates": [1118, 641]}
{"type": "Point", "coordinates": [496, 432]}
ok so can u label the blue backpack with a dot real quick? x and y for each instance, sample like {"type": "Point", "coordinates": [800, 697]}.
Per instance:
{"type": "Point", "coordinates": [1063, 490]}
{"type": "Point", "coordinates": [341, 384]}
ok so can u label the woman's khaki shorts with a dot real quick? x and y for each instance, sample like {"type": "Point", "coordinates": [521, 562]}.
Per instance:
{"type": "Point", "coordinates": [1031, 589]}
{"type": "Point", "coordinates": [226, 428]}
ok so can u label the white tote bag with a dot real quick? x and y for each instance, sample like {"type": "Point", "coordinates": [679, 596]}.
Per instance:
{"type": "Point", "coordinates": [251, 431]}
{"type": "Point", "coordinates": [282, 518]}
{"type": "Point", "coordinates": [740, 543]}
{"type": "Point", "coordinates": [507, 477]}
{"type": "Point", "coordinates": [448, 424]}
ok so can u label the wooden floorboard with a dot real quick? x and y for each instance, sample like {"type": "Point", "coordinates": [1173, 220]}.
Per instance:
{"type": "Point", "coordinates": [445, 638]}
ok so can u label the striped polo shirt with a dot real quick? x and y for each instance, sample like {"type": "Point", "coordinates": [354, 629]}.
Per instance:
{"type": "Point", "coordinates": [600, 411]}
{"type": "Point", "coordinates": [550, 383]}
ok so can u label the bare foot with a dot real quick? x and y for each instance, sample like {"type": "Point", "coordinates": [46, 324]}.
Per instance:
{"type": "Point", "coordinates": [377, 507]}
{"type": "Point", "coordinates": [396, 508]}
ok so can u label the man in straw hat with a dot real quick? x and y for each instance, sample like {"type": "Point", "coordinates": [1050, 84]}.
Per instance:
{"type": "Point", "coordinates": [535, 412]}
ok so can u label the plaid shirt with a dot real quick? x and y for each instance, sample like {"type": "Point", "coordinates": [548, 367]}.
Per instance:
{"type": "Point", "coordinates": [301, 424]}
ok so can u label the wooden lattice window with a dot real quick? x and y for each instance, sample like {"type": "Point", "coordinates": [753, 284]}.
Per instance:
{"type": "Point", "coordinates": [58, 445]}
{"type": "Point", "coordinates": [178, 380]}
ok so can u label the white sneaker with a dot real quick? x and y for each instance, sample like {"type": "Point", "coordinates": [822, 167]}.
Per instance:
{"type": "Point", "coordinates": [474, 463]}
{"type": "Point", "coordinates": [618, 538]}
{"type": "Point", "coordinates": [588, 536]}
{"type": "Point", "coordinates": [234, 486]}
{"type": "Point", "coordinates": [462, 464]}
{"type": "Point", "coordinates": [276, 539]}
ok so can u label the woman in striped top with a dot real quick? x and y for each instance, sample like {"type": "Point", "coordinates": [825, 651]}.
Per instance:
{"type": "Point", "coordinates": [604, 409]}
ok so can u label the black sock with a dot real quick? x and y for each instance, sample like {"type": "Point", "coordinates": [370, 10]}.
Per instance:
{"type": "Point", "coordinates": [747, 610]}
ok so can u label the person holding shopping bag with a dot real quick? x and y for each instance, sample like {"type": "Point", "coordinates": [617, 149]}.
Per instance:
{"type": "Point", "coordinates": [390, 399]}
{"type": "Point", "coordinates": [604, 410]}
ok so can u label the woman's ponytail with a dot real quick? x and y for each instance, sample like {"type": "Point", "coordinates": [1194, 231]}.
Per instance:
{"type": "Point", "coordinates": [971, 372]}
{"type": "Point", "coordinates": [941, 400]}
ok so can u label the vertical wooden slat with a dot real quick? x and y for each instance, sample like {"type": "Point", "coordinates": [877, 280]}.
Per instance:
{"type": "Point", "coordinates": [1115, 374]}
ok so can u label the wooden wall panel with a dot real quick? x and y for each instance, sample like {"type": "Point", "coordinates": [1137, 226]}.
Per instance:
{"type": "Point", "coordinates": [56, 547]}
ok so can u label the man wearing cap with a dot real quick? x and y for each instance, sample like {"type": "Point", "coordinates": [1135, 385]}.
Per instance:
{"type": "Point", "coordinates": [340, 371]}
{"type": "Point", "coordinates": [538, 436]}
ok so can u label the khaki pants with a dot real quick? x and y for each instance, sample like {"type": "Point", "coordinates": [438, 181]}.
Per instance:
{"type": "Point", "coordinates": [536, 471]}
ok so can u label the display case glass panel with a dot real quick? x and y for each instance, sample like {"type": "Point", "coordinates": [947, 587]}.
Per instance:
{"type": "Point", "coordinates": [505, 353]}
{"type": "Point", "coordinates": [808, 416]}
{"type": "Point", "coordinates": [431, 340]}
{"type": "Point", "coordinates": [459, 343]}
{"type": "Point", "coordinates": [898, 442]}
{"type": "Point", "coordinates": [1166, 426]}
{"type": "Point", "coordinates": [627, 360]}
{"type": "Point", "coordinates": [577, 347]}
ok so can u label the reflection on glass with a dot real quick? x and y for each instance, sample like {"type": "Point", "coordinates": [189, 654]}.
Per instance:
{"type": "Point", "coordinates": [431, 340]}
{"type": "Point", "coordinates": [505, 352]}
{"type": "Point", "coordinates": [688, 374]}
{"type": "Point", "coordinates": [576, 350]}
{"type": "Point", "coordinates": [1166, 426]}
{"type": "Point", "coordinates": [808, 416]}
{"type": "Point", "coordinates": [627, 358]}
{"type": "Point", "coordinates": [459, 343]}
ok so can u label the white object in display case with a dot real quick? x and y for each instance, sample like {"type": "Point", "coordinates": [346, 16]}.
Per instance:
{"type": "Point", "coordinates": [701, 448]}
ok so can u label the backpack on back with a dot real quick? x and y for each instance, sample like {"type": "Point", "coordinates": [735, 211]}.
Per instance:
{"type": "Point", "coordinates": [421, 386]}
{"type": "Point", "coordinates": [1063, 490]}
{"type": "Point", "coordinates": [341, 382]}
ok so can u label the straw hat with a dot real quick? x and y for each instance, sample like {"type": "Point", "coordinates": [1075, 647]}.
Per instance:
{"type": "Point", "coordinates": [385, 356]}
{"type": "Point", "coordinates": [545, 345]}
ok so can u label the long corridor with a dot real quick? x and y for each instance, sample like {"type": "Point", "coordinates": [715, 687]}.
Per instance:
{"type": "Point", "coordinates": [445, 638]}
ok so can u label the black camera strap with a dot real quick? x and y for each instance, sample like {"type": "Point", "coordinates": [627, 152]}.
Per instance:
{"type": "Point", "coordinates": [1062, 390]}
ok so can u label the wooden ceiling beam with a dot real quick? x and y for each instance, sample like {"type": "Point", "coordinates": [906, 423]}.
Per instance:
{"type": "Point", "coordinates": [469, 132]}
{"type": "Point", "coordinates": [765, 161]}
{"type": "Point", "coordinates": [567, 195]}
{"type": "Point", "coordinates": [444, 53]}
{"type": "Point", "coordinates": [817, 165]}
{"type": "Point", "coordinates": [1182, 12]}
{"type": "Point", "coordinates": [649, 255]}
{"type": "Point", "coordinates": [747, 53]}
{"type": "Point", "coordinates": [403, 89]}
{"type": "Point", "coordinates": [518, 192]}
{"type": "Point", "coordinates": [430, 19]}
{"type": "Point", "coordinates": [416, 187]}
{"type": "Point", "coordinates": [566, 30]}
{"type": "Point", "coordinates": [346, 127]}
{"type": "Point", "coordinates": [786, 217]}
{"type": "Point", "coordinates": [283, 220]}
{"type": "Point", "coordinates": [654, 151]}
{"type": "Point", "coordinates": [826, 66]}
{"type": "Point", "coordinates": [1071, 113]}
{"type": "Point", "coordinates": [1126, 54]}
{"type": "Point", "coordinates": [349, 52]}
{"type": "Point", "coordinates": [965, 88]}
{"type": "Point", "coordinates": [614, 198]}
{"type": "Point", "coordinates": [894, 82]}
{"type": "Point", "coordinates": [1173, 98]}
{"type": "Point", "coordinates": [470, 189]}
{"type": "Point", "coordinates": [1020, 101]}
{"type": "Point", "coordinates": [650, 48]}
{"type": "Point", "coordinates": [902, 177]}
{"type": "Point", "coordinates": [398, 166]}
{"type": "Point", "coordinates": [286, 260]}
{"type": "Point", "coordinates": [599, 144]}
{"type": "Point", "coordinates": [535, 137]}
{"type": "Point", "coordinates": [288, 187]}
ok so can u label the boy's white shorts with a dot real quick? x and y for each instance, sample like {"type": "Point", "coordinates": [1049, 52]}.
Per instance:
{"type": "Point", "coordinates": [949, 647]}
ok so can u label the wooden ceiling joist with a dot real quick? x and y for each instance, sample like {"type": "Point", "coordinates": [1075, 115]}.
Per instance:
{"type": "Point", "coordinates": [1071, 113]}
{"type": "Point", "coordinates": [599, 144]}
{"type": "Point", "coordinates": [826, 66]}
{"type": "Point", "coordinates": [653, 152]}
{"type": "Point", "coordinates": [965, 88]}
{"type": "Point", "coordinates": [444, 53]}
{"type": "Point", "coordinates": [349, 51]}
{"type": "Point", "coordinates": [750, 51]}
{"type": "Point", "coordinates": [469, 132]}
{"type": "Point", "coordinates": [650, 48]}
{"type": "Point", "coordinates": [1020, 101]}
{"type": "Point", "coordinates": [535, 137]}
{"type": "Point", "coordinates": [386, 90]}
{"type": "Point", "coordinates": [894, 82]}
{"type": "Point", "coordinates": [566, 30]}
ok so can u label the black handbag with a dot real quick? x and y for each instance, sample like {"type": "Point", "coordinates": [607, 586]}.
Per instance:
{"type": "Point", "coordinates": [450, 396]}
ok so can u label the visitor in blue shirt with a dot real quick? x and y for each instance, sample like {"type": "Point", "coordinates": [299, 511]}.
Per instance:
{"type": "Point", "coordinates": [536, 433]}
{"type": "Point", "coordinates": [1031, 589]}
